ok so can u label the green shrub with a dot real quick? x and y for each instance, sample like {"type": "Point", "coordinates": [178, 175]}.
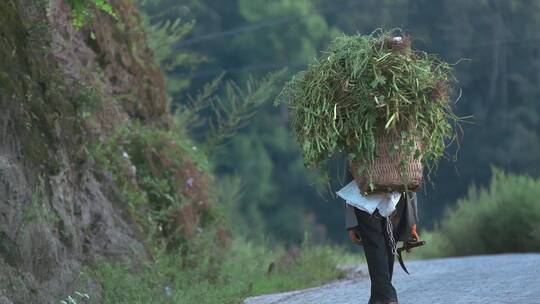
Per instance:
{"type": "Point", "coordinates": [82, 10]}
{"type": "Point", "coordinates": [242, 273]}
{"type": "Point", "coordinates": [163, 177]}
{"type": "Point", "coordinates": [503, 218]}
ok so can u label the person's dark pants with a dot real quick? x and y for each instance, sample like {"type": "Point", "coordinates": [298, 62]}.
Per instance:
{"type": "Point", "coordinates": [380, 260]}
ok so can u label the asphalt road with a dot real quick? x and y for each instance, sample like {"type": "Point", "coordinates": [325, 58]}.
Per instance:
{"type": "Point", "coordinates": [508, 278]}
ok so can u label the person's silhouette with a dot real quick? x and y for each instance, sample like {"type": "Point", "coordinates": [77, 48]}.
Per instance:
{"type": "Point", "coordinates": [378, 235]}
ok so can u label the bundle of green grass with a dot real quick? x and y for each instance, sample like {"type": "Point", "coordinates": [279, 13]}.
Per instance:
{"type": "Point", "coordinates": [365, 87]}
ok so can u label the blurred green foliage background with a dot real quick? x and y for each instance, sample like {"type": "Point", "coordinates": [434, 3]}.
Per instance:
{"type": "Point", "coordinates": [499, 83]}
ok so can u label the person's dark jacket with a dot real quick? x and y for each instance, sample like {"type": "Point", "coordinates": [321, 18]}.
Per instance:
{"type": "Point", "coordinates": [403, 218]}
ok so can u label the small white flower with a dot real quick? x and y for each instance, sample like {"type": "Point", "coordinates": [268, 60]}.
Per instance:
{"type": "Point", "coordinates": [189, 182]}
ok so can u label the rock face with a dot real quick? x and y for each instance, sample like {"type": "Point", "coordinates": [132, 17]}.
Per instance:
{"type": "Point", "coordinates": [61, 88]}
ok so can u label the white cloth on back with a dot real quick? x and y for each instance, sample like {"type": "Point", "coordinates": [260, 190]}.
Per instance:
{"type": "Point", "coordinates": [384, 202]}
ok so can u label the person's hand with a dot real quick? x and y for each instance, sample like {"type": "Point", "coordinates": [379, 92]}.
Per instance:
{"type": "Point", "coordinates": [355, 239]}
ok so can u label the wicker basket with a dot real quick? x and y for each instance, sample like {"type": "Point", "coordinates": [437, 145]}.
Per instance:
{"type": "Point", "coordinates": [385, 173]}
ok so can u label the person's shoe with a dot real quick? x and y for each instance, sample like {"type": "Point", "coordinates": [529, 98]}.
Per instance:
{"type": "Point", "coordinates": [383, 302]}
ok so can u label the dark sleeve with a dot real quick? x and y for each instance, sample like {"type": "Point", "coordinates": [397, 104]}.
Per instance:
{"type": "Point", "coordinates": [350, 217]}
{"type": "Point", "coordinates": [414, 207]}
{"type": "Point", "coordinates": [405, 217]}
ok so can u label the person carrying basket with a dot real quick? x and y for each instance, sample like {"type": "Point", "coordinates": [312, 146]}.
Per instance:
{"type": "Point", "coordinates": [388, 107]}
